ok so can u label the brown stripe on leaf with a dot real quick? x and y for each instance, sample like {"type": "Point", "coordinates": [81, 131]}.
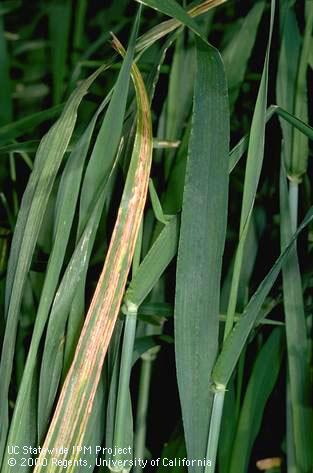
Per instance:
{"type": "Point", "coordinates": [79, 389]}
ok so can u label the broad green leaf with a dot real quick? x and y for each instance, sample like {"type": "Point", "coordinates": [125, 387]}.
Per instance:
{"type": "Point", "coordinates": [201, 246]}
{"type": "Point", "coordinates": [237, 338]}
{"type": "Point", "coordinates": [261, 383]}
{"type": "Point", "coordinates": [48, 160]}
{"type": "Point", "coordinates": [79, 389]}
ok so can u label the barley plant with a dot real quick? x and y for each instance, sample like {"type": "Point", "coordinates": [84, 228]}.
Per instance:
{"type": "Point", "coordinates": [156, 248]}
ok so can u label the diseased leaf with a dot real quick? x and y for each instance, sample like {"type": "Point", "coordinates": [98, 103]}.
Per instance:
{"type": "Point", "coordinates": [79, 389]}
{"type": "Point", "coordinates": [48, 160]}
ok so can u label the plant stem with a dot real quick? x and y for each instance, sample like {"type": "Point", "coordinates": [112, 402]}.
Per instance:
{"type": "Point", "coordinates": [293, 204]}
{"type": "Point", "coordinates": [215, 425]}
{"type": "Point", "coordinates": [291, 460]}
{"type": "Point", "coordinates": [142, 409]}
{"type": "Point", "coordinates": [79, 29]}
{"type": "Point", "coordinates": [131, 311]}
{"type": "Point", "coordinates": [290, 447]}
{"type": "Point", "coordinates": [124, 378]}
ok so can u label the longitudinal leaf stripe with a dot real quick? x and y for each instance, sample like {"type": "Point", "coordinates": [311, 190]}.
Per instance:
{"type": "Point", "coordinates": [76, 399]}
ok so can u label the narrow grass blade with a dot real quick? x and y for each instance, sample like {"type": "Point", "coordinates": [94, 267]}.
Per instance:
{"type": "Point", "coordinates": [238, 151]}
{"type": "Point", "coordinates": [24, 125]}
{"type": "Point", "coordinates": [59, 29]}
{"type": "Point", "coordinates": [97, 172]}
{"type": "Point", "coordinates": [300, 149]}
{"type": "Point", "coordinates": [238, 50]}
{"type": "Point", "coordinates": [173, 196]}
{"type": "Point", "coordinates": [228, 429]}
{"type": "Point", "coordinates": [111, 424]}
{"type": "Point", "coordinates": [155, 262]}
{"type": "Point", "coordinates": [96, 177]}
{"type": "Point", "coordinates": [6, 109]}
{"type": "Point", "coordinates": [23, 147]}
{"type": "Point", "coordinates": [261, 383]}
{"type": "Point", "coordinates": [48, 160]}
{"type": "Point", "coordinates": [179, 98]}
{"type": "Point", "coordinates": [305, 129]}
{"type": "Point", "coordinates": [156, 204]}
{"type": "Point", "coordinates": [65, 208]}
{"type": "Point", "coordinates": [59, 311]}
{"type": "Point", "coordinates": [171, 9]}
{"type": "Point", "coordinates": [78, 36]}
{"type": "Point", "coordinates": [297, 343]}
{"type": "Point", "coordinates": [123, 422]}
{"type": "Point", "coordinates": [236, 340]}
{"type": "Point", "coordinates": [201, 246]}
{"type": "Point", "coordinates": [79, 389]}
{"type": "Point", "coordinates": [144, 278]}
{"type": "Point", "coordinates": [252, 176]}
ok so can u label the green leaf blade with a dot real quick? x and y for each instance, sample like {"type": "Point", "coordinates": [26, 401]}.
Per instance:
{"type": "Point", "coordinates": [201, 246]}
